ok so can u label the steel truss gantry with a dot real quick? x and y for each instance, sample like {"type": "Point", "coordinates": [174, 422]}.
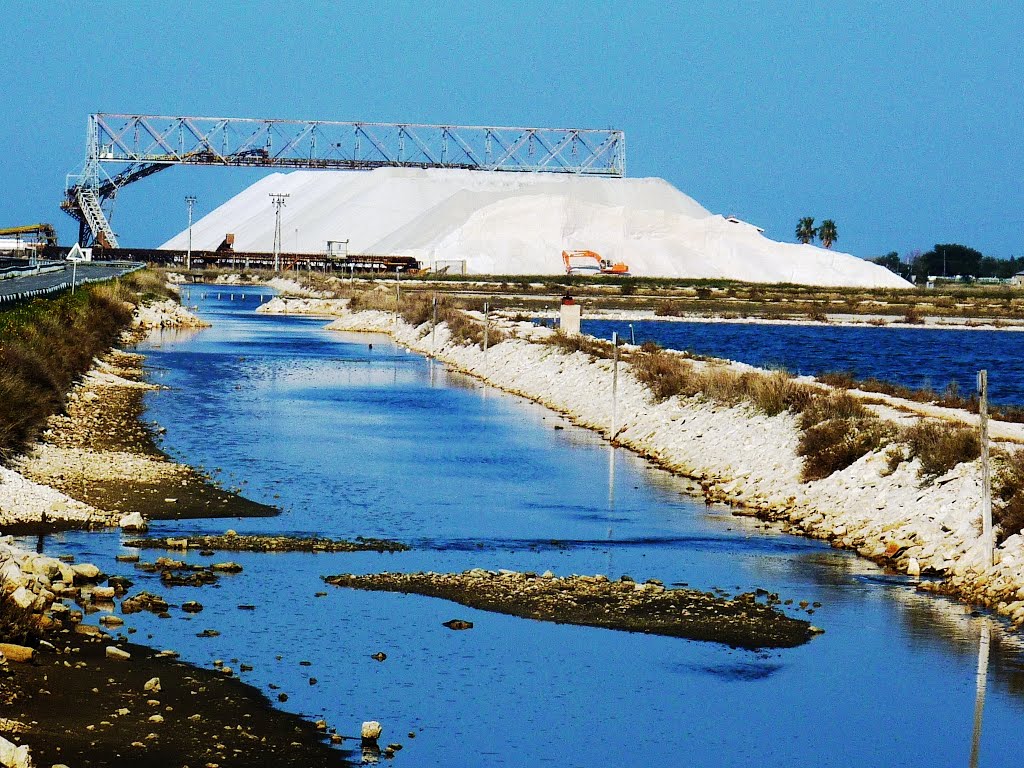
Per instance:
{"type": "Point", "coordinates": [150, 143]}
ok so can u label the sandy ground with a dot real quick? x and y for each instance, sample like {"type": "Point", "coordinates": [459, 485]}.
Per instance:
{"type": "Point", "coordinates": [748, 459]}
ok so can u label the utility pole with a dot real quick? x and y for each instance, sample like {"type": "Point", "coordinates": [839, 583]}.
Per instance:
{"type": "Point", "coordinates": [277, 200]}
{"type": "Point", "coordinates": [189, 201]}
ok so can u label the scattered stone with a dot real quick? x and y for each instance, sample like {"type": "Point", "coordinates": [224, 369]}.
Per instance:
{"type": "Point", "coordinates": [379, 656]}
{"type": "Point", "coordinates": [208, 633]}
{"type": "Point", "coordinates": [370, 731]}
{"type": "Point", "coordinates": [144, 601]}
{"type": "Point", "coordinates": [113, 652]}
{"type": "Point", "coordinates": [228, 567]}
{"type": "Point", "coordinates": [282, 697]}
{"type": "Point", "coordinates": [192, 607]}
{"type": "Point", "coordinates": [87, 573]}
{"type": "Point", "coordinates": [458, 624]}
{"type": "Point", "coordinates": [133, 521]}
{"type": "Point", "coordinates": [20, 654]}
{"type": "Point", "coordinates": [111, 621]}
{"type": "Point", "coordinates": [152, 685]}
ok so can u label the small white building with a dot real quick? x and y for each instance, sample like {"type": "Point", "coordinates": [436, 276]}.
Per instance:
{"type": "Point", "coordinates": [1017, 280]}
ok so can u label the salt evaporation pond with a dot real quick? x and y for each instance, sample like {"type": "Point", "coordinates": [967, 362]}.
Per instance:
{"type": "Point", "coordinates": [353, 441]}
{"type": "Point", "coordinates": [913, 357]}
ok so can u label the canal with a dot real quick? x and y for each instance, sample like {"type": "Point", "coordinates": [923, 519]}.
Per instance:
{"type": "Point", "coordinates": [352, 436]}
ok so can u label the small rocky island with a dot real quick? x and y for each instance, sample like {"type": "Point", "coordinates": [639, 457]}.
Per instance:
{"type": "Point", "coordinates": [596, 601]}
{"type": "Point", "coordinates": [234, 542]}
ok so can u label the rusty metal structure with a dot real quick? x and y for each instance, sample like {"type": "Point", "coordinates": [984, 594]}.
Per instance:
{"type": "Point", "coordinates": [146, 144]}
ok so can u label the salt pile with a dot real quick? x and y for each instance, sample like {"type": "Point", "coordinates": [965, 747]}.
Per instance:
{"type": "Point", "coordinates": [518, 224]}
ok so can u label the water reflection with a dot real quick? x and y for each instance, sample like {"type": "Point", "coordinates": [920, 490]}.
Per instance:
{"type": "Point", "coordinates": [360, 442]}
{"type": "Point", "coordinates": [984, 638]}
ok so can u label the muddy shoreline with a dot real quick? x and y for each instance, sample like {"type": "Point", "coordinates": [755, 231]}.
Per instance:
{"type": "Point", "coordinates": [79, 707]}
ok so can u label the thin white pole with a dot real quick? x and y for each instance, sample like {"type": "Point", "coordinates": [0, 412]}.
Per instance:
{"type": "Point", "coordinates": [986, 470]}
{"type": "Point", "coordinates": [615, 384]}
{"type": "Point", "coordinates": [433, 327]}
{"type": "Point", "coordinates": [74, 271]}
{"type": "Point", "coordinates": [487, 327]}
{"type": "Point", "coordinates": [189, 201]}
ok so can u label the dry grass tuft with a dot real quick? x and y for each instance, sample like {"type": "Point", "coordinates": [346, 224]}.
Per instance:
{"type": "Point", "coordinates": [837, 430]}
{"type": "Point", "coordinates": [940, 446]}
{"type": "Point", "coordinates": [1008, 512]}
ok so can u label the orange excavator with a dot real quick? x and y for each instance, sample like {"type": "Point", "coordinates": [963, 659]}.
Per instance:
{"type": "Point", "coordinates": [590, 263]}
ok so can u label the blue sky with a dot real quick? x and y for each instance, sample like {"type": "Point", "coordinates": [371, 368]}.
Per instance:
{"type": "Point", "coordinates": [900, 121]}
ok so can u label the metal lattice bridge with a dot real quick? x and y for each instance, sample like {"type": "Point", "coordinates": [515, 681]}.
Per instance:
{"type": "Point", "coordinates": [144, 144]}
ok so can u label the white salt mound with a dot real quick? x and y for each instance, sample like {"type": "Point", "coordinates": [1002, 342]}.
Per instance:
{"type": "Point", "coordinates": [518, 224]}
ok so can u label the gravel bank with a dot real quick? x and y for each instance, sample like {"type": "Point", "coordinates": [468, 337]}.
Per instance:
{"type": "Point", "coordinates": [594, 601]}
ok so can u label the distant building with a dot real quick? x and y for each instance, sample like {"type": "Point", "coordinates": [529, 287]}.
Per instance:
{"type": "Point", "coordinates": [1017, 280]}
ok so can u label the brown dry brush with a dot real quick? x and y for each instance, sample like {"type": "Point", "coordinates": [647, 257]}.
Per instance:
{"type": "Point", "coordinates": [418, 309]}
{"type": "Point", "coordinates": [45, 344]}
{"type": "Point", "coordinates": [1008, 511]}
{"type": "Point", "coordinates": [836, 429]}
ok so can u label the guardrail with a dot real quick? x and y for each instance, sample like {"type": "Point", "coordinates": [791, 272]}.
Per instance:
{"type": "Point", "coordinates": [63, 286]}
{"type": "Point", "coordinates": [30, 269]}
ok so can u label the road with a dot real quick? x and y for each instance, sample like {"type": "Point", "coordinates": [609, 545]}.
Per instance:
{"type": "Point", "coordinates": [16, 288]}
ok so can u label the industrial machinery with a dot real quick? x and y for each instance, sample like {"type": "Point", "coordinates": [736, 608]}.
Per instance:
{"type": "Point", "coordinates": [591, 263]}
{"type": "Point", "coordinates": [44, 234]}
{"type": "Point", "coordinates": [147, 144]}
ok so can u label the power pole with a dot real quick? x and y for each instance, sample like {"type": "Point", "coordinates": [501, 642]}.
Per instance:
{"type": "Point", "coordinates": [277, 200]}
{"type": "Point", "coordinates": [189, 201]}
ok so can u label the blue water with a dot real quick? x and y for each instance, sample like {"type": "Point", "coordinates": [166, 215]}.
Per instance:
{"type": "Point", "coordinates": [913, 357]}
{"type": "Point", "coordinates": [350, 440]}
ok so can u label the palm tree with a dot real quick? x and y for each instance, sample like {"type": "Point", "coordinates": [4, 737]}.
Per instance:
{"type": "Point", "coordinates": [827, 233]}
{"type": "Point", "coordinates": [805, 231]}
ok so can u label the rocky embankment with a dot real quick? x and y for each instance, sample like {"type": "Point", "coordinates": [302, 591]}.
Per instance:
{"type": "Point", "coordinates": [165, 314]}
{"type": "Point", "coordinates": [748, 459]}
{"type": "Point", "coordinates": [298, 305]}
{"type": "Point", "coordinates": [595, 601]}
{"type": "Point", "coordinates": [233, 542]}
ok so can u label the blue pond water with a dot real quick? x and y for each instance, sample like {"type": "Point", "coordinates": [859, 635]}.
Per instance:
{"type": "Point", "coordinates": [914, 357]}
{"type": "Point", "coordinates": [351, 441]}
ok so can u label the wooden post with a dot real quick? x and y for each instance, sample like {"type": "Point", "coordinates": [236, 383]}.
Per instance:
{"type": "Point", "coordinates": [615, 384]}
{"type": "Point", "coordinates": [986, 471]}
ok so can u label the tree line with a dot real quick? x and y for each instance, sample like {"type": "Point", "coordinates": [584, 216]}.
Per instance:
{"type": "Point", "coordinates": [950, 260]}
